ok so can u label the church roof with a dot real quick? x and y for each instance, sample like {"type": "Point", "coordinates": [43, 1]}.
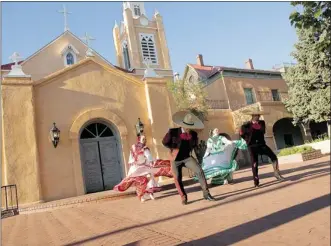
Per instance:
{"type": "Point", "coordinates": [8, 65]}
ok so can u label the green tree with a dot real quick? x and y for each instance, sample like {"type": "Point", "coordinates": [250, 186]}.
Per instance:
{"type": "Point", "coordinates": [190, 96]}
{"type": "Point", "coordinates": [309, 79]}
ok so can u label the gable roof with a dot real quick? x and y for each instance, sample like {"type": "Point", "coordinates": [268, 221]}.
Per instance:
{"type": "Point", "coordinates": [207, 72]}
{"type": "Point", "coordinates": [8, 66]}
{"type": "Point", "coordinates": [107, 67]}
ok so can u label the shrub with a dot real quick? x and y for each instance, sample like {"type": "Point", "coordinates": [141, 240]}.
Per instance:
{"type": "Point", "coordinates": [295, 150]}
{"type": "Point", "coordinates": [320, 138]}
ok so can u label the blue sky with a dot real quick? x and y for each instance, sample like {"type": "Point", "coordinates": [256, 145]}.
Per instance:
{"type": "Point", "coordinates": [225, 33]}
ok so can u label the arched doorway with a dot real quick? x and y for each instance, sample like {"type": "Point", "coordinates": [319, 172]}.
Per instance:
{"type": "Point", "coordinates": [286, 134]}
{"type": "Point", "coordinates": [318, 130]}
{"type": "Point", "coordinates": [100, 157]}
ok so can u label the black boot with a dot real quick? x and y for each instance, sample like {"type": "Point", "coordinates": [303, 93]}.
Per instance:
{"type": "Point", "coordinates": [276, 171]}
{"type": "Point", "coordinates": [209, 197]}
{"type": "Point", "coordinates": [184, 200]}
{"type": "Point", "coordinates": [256, 183]}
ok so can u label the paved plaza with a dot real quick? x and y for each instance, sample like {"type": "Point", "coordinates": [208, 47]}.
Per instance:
{"type": "Point", "coordinates": [293, 212]}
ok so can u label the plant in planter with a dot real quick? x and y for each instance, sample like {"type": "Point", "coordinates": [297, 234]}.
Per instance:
{"type": "Point", "coordinates": [295, 150]}
{"type": "Point", "coordinates": [300, 153]}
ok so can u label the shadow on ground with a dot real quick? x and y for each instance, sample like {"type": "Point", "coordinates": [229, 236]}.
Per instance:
{"type": "Point", "coordinates": [261, 225]}
{"type": "Point", "coordinates": [249, 229]}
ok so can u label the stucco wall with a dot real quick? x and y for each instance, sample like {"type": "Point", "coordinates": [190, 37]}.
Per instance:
{"type": "Point", "coordinates": [221, 119]}
{"type": "Point", "coordinates": [235, 88]}
{"type": "Point", "coordinates": [217, 90]}
{"type": "Point", "coordinates": [20, 158]}
{"type": "Point", "coordinates": [62, 100]}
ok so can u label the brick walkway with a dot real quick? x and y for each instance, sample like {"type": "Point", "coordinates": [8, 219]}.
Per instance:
{"type": "Point", "coordinates": [294, 212]}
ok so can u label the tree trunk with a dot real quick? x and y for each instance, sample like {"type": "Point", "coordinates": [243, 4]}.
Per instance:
{"type": "Point", "coordinates": [329, 127]}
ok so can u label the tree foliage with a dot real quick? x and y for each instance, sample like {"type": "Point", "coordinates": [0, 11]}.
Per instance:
{"type": "Point", "coordinates": [309, 79]}
{"type": "Point", "coordinates": [190, 96]}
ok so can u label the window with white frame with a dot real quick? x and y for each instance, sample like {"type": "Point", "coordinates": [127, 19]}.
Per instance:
{"type": "Point", "coordinates": [136, 9]}
{"type": "Point", "coordinates": [126, 58]}
{"type": "Point", "coordinates": [148, 48]}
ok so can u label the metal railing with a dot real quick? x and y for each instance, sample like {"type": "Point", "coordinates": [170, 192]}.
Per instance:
{"type": "Point", "coordinates": [9, 206]}
{"type": "Point", "coordinates": [218, 104]}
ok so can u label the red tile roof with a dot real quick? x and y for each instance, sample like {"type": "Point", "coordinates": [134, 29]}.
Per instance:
{"type": "Point", "coordinates": [209, 71]}
{"type": "Point", "coordinates": [8, 66]}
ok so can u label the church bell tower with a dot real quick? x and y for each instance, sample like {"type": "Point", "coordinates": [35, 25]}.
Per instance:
{"type": "Point", "coordinates": [140, 42]}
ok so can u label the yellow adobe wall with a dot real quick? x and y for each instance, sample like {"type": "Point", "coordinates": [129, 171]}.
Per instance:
{"type": "Point", "coordinates": [67, 97]}
{"type": "Point", "coordinates": [235, 88]}
{"type": "Point", "coordinates": [20, 150]}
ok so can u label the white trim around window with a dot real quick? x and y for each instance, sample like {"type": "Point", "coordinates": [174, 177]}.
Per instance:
{"type": "Point", "coordinates": [73, 51]}
{"type": "Point", "coordinates": [148, 48]}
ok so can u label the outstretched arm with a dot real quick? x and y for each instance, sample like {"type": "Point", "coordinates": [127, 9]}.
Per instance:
{"type": "Point", "coordinates": [225, 140]}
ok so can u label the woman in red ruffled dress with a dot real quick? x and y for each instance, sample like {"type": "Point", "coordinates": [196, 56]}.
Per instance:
{"type": "Point", "coordinates": [143, 171]}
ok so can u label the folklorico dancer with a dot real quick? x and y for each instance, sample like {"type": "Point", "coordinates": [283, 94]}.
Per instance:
{"type": "Point", "coordinates": [253, 132]}
{"type": "Point", "coordinates": [181, 141]}
{"type": "Point", "coordinates": [219, 162]}
{"type": "Point", "coordinates": [142, 165]}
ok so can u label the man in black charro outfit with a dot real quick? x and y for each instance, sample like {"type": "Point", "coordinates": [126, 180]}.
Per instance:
{"type": "Point", "coordinates": [253, 132]}
{"type": "Point", "coordinates": [181, 142]}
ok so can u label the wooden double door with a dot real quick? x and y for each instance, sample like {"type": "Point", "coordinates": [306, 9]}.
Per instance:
{"type": "Point", "coordinates": [100, 162]}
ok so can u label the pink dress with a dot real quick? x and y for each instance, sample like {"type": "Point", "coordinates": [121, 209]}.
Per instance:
{"type": "Point", "coordinates": [142, 165]}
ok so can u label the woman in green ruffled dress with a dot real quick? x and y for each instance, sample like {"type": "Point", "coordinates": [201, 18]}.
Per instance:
{"type": "Point", "coordinates": [219, 161]}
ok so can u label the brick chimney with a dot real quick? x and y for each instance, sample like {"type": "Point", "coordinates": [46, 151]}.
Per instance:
{"type": "Point", "coordinates": [249, 64]}
{"type": "Point", "coordinates": [200, 60]}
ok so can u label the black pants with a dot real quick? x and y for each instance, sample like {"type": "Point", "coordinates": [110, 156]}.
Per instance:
{"type": "Point", "coordinates": [193, 165]}
{"type": "Point", "coordinates": [255, 151]}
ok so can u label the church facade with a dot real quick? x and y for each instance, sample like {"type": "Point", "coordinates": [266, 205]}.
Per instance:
{"type": "Point", "coordinates": [94, 104]}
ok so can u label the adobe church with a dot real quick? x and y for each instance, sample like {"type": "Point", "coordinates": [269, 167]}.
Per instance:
{"type": "Point", "coordinates": [93, 104]}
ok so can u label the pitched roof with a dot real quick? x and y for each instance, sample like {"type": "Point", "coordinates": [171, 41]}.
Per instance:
{"type": "Point", "coordinates": [208, 71]}
{"type": "Point", "coordinates": [8, 66]}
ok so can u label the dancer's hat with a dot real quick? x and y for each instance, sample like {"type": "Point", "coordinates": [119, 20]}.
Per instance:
{"type": "Point", "coordinates": [186, 119]}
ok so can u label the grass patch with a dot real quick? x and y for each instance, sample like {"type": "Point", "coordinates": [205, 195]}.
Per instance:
{"type": "Point", "coordinates": [295, 150]}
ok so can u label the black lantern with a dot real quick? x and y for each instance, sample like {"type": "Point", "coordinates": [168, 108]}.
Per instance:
{"type": "Point", "coordinates": [139, 127]}
{"type": "Point", "coordinates": [55, 135]}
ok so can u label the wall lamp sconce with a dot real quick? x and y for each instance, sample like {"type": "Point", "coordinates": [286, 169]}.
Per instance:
{"type": "Point", "coordinates": [55, 135]}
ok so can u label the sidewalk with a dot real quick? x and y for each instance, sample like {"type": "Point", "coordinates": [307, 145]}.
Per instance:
{"type": "Point", "coordinates": [167, 184]}
{"type": "Point", "coordinates": [93, 198]}
{"type": "Point", "coordinates": [293, 212]}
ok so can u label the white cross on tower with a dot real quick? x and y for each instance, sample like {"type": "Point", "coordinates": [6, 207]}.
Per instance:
{"type": "Point", "coordinates": [87, 39]}
{"type": "Point", "coordinates": [15, 57]}
{"type": "Point", "coordinates": [65, 14]}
